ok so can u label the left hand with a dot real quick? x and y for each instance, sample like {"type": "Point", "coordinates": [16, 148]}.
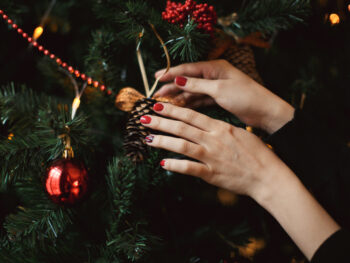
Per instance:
{"type": "Point", "coordinates": [229, 157]}
{"type": "Point", "coordinates": [237, 160]}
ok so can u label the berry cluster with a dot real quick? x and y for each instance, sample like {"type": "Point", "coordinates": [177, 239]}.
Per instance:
{"type": "Point", "coordinates": [179, 14]}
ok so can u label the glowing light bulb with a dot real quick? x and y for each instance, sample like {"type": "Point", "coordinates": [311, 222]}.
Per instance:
{"type": "Point", "coordinates": [75, 106]}
{"type": "Point", "coordinates": [334, 19]}
{"type": "Point", "coordinates": [38, 32]}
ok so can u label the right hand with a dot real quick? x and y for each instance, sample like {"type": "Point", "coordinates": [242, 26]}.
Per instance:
{"type": "Point", "coordinates": [206, 83]}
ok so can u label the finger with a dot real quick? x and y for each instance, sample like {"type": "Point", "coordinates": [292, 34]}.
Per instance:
{"type": "Point", "coordinates": [189, 69]}
{"type": "Point", "coordinates": [176, 145]}
{"type": "Point", "coordinates": [188, 116]}
{"type": "Point", "coordinates": [167, 90]}
{"type": "Point", "coordinates": [196, 85]}
{"type": "Point", "coordinates": [185, 167]}
{"type": "Point", "coordinates": [174, 127]}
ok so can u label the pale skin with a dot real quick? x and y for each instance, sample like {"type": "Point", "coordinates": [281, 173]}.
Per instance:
{"type": "Point", "coordinates": [232, 158]}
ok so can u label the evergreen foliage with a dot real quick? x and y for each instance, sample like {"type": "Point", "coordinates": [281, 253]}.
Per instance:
{"type": "Point", "coordinates": [133, 213]}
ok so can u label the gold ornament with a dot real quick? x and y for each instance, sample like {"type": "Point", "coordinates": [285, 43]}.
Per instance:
{"type": "Point", "coordinates": [128, 96]}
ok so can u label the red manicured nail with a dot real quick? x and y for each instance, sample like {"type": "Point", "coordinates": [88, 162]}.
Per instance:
{"type": "Point", "coordinates": [181, 81]}
{"type": "Point", "coordinates": [158, 107]}
{"type": "Point", "coordinates": [149, 138]}
{"type": "Point", "coordinates": [145, 119]}
{"type": "Point", "coordinates": [162, 163]}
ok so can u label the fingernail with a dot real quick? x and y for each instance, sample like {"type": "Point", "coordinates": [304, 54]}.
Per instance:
{"type": "Point", "coordinates": [158, 107]}
{"type": "Point", "coordinates": [162, 163]}
{"type": "Point", "coordinates": [145, 119]}
{"type": "Point", "coordinates": [149, 138]}
{"type": "Point", "coordinates": [181, 81]}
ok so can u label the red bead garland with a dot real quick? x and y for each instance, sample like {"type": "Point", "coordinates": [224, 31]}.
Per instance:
{"type": "Point", "coordinates": [46, 52]}
{"type": "Point", "coordinates": [203, 14]}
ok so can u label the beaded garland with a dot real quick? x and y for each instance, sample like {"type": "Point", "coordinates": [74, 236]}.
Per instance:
{"type": "Point", "coordinates": [59, 61]}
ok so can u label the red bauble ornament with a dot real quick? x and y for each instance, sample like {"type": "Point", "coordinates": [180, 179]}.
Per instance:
{"type": "Point", "coordinates": [179, 14]}
{"type": "Point", "coordinates": [66, 181]}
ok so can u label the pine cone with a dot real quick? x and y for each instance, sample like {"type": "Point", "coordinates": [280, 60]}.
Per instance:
{"type": "Point", "coordinates": [134, 141]}
{"type": "Point", "coordinates": [238, 52]}
{"type": "Point", "coordinates": [242, 57]}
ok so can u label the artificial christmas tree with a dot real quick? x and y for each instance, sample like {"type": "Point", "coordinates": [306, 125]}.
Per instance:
{"type": "Point", "coordinates": [133, 211]}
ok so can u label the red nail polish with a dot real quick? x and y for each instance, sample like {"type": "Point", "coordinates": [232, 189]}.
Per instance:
{"type": "Point", "coordinates": [162, 163]}
{"type": "Point", "coordinates": [149, 138]}
{"type": "Point", "coordinates": [158, 107]}
{"type": "Point", "coordinates": [145, 119]}
{"type": "Point", "coordinates": [181, 81]}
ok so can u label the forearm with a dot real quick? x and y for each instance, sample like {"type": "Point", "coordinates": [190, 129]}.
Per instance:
{"type": "Point", "coordinates": [300, 215]}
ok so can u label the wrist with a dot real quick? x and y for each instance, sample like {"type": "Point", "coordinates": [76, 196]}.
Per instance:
{"type": "Point", "coordinates": [279, 114]}
{"type": "Point", "coordinates": [297, 211]}
{"type": "Point", "coordinates": [276, 180]}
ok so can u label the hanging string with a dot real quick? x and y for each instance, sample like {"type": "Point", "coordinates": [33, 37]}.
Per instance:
{"type": "Point", "coordinates": [167, 59]}
{"type": "Point", "coordinates": [141, 64]}
{"type": "Point", "coordinates": [149, 91]}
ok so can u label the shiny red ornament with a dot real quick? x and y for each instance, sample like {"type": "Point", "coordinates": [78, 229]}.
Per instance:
{"type": "Point", "coordinates": [66, 181]}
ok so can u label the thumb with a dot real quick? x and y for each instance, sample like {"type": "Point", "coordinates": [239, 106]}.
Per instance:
{"type": "Point", "coordinates": [195, 85]}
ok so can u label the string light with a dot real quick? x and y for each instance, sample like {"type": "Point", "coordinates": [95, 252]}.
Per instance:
{"type": "Point", "coordinates": [46, 52]}
{"type": "Point", "coordinates": [38, 32]}
{"type": "Point", "coordinates": [334, 19]}
{"type": "Point", "coordinates": [75, 106]}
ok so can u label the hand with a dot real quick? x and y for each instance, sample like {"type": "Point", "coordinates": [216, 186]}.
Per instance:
{"type": "Point", "coordinates": [206, 83]}
{"type": "Point", "coordinates": [229, 157]}
{"type": "Point", "coordinates": [237, 160]}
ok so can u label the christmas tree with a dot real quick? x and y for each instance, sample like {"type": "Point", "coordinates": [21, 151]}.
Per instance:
{"type": "Point", "coordinates": [78, 183]}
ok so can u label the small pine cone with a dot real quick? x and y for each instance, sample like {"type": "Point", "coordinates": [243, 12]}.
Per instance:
{"type": "Point", "coordinates": [134, 141]}
{"type": "Point", "coordinates": [242, 57]}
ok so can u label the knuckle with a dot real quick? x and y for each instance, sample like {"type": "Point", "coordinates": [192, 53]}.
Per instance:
{"type": "Point", "coordinates": [184, 147]}
{"type": "Point", "coordinates": [223, 62]}
{"type": "Point", "coordinates": [186, 166]}
{"type": "Point", "coordinates": [190, 115]}
{"type": "Point", "coordinates": [215, 89]}
{"type": "Point", "coordinates": [179, 127]}
{"type": "Point", "coordinates": [159, 140]}
{"type": "Point", "coordinates": [225, 127]}
{"type": "Point", "coordinates": [199, 152]}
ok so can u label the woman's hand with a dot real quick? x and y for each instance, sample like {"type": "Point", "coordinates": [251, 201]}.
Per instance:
{"type": "Point", "coordinates": [229, 157]}
{"type": "Point", "coordinates": [237, 160]}
{"type": "Point", "coordinates": [206, 83]}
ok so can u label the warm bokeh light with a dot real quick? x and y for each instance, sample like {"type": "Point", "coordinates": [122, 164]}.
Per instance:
{"type": "Point", "coordinates": [334, 19]}
{"type": "Point", "coordinates": [38, 32]}
{"type": "Point", "coordinates": [249, 128]}
{"type": "Point", "coordinates": [254, 246]}
{"type": "Point", "coordinates": [349, 7]}
{"type": "Point", "coordinates": [226, 197]}
{"type": "Point", "coordinates": [10, 136]}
